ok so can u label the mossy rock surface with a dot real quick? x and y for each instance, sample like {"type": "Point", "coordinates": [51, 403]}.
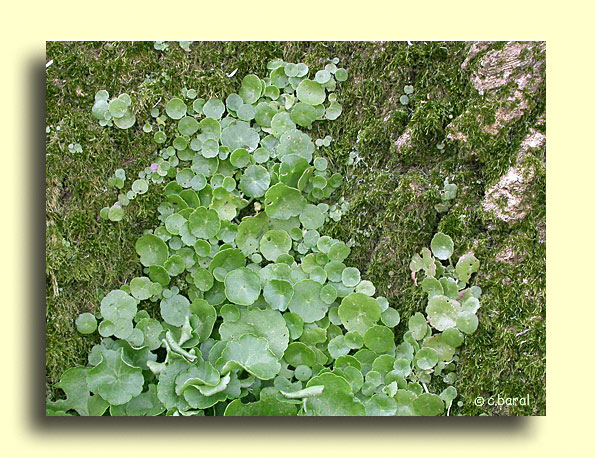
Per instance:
{"type": "Point", "coordinates": [392, 185]}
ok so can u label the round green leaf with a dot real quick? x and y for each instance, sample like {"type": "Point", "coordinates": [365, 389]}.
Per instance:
{"type": "Point", "coordinates": [390, 317]}
{"type": "Point", "coordinates": [214, 108]}
{"type": "Point", "coordinates": [118, 108]}
{"type": "Point", "coordinates": [402, 367]}
{"type": "Point", "coordinates": [175, 108]}
{"type": "Point", "coordinates": [359, 312]}
{"type": "Point", "coordinates": [204, 223]}
{"type": "Point", "coordinates": [242, 286]}
{"type": "Point", "coordinates": [310, 92]}
{"type": "Point", "coordinates": [441, 312]}
{"type": "Point", "coordinates": [381, 405]}
{"type": "Point", "coordinates": [152, 250]}
{"type": "Point", "coordinates": [350, 277]}
{"type": "Point", "coordinates": [418, 326]}
{"type": "Point", "coordinates": [86, 323]}
{"type": "Point", "coordinates": [341, 74]}
{"type": "Point", "coordinates": [278, 294]}
{"type": "Point", "coordinates": [428, 404]}
{"type": "Point", "coordinates": [453, 337]}
{"type": "Point", "coordinates": [225, 261]}
{"type": "Point", "coordinates": [188, 126]}
{"type": "Point", "coordinates": [328, 294]}
{"type": "Point", "coordinates": [466, 266]}
{"type": "Point", "coordinates": [426, 358]}
{"type": "Point", "coordinates": [338, 251]}
{"type": "Point", "coordinates": [379, 339]}
{"type": "Point", "coordinates": [303, 114]}
{"type": "Point", "coordinates": [175, 309]}
{"type": "Point", "coordinates": [311, 217]}
{"type": "Point", "coordinates": [298, 354]}
{"type": "Point", "coordinates": [255, 181]}
{"type": "Point", "coordinates": [275, 243]}
{"type": "Point", "coordinates": [152, 330]}
{"type": "Point", "coordinates": [126, 121]}
{"type": "Point", "coordinates": [251, 89]}
{"type": "Point", "coordinates": [240, 135]}
{"type": "Point", "coordinates": [306, 301]}
{"type": "Point", "coordinates": [114, 380]}
{"type": "Point", "coordinates": [354, 340]}
{"type": "Point", "coordinates": [338, 347]}
{"type": "Point", "coordinates": [467, 322]}
{"type": "Point", "coordinates": [240, 158]}
{"type": "Point", "coordinates": [442, 246]}
{"type": "Point", "coordinates": [253, 355]}
{"type": "Point", "coordinates": [283, 202]}
{"type": "Point", "coordinates": [140, 288]}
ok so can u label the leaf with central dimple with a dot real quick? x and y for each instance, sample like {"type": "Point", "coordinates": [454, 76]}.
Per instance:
{"type": "Point", "coordinates": [312, 217]}
{"type": "Point", "coordinates": [303, 114]}
{"type": "Point", "coordinates": [359, 312]}
{"type": "Point", "coordinates": [306, 301]}
{"type": "Point", "coordinates": [242, 286]}
{"type": "Point", "coordinates": [204, 223]}
{"type": "Point", "coordinates": [298, 354]}
{"type": "Point", "coordinates": [251, 89]}
{"type": "Point", "coordinates": [214, 108]}
{"type": "Point", "coordinates": [114, 380]}
{"type": "Point", "coordinates": [336, 398]}
{"type": "Point", "coordinates": [152, 250]}
{"type": "Point", "coordinates": [175, 309]}
{"type": "Point", "coordinates": [278, 293]}
{"type": "Point", "coordinates": [145, 404]}
{"type": "Point", "coordinates": [249, 232]}
{"type": "Point", "coordinates": [255, 181]}
{"type": "Point", "coordinates": [294, 141]}
{"type": "Point", "coordinates": [283, 202]}
{"type": "Point", "coordinates": [227, 204]}
{"type": "Point", "coordinates": [175, 108]}
{"type": "Point", "coordinates": [240, 135]}
{"type": "Point", "coordinates": [253, 355]}
{"type": "Point", "coordinates": [225, 261]}
{"type": "Point", "coordinates": [442, 312]}
{"type": "Point", "coordinates": [311, 92]}
{"type": "Point", "coordinates": [275, 243]}
{"type": "Point", "coordinates": [268, 324]}
{"type": "Point", "coordinates": [119, 308]}
{"type": "Point", "coordinates": [74, 384]}
{"type": "Point", "coordinates": [140, 287]}
{"type": "Point", "coordinates": [379, 339]}
{"type": "Point", "coordinates": [291, 169]}
{"type": "Point", "coordinates": [188, 125]}
{"type": "Point", "coordinates": [442, 246]}
{"type": "Point", "coordinates": [210, 128]}
{"type": "Point", "coordinates": [428, 404]}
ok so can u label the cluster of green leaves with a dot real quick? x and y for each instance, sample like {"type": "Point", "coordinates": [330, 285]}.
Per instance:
{"type": "Point", "coordinates": [75, 148]}
{"type": "Point", "coordinates": [258, 312]}
{"type": "Point", "coordinates": [447, 195]}
{"type": "Point", "coordinates": [407, 91]}
{"type": "Point", "coordinates": [116, 111]}
{"type": "Point", "coordinates": [163, 46]}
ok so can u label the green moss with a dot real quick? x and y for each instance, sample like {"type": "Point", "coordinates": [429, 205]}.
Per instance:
{"type": "Point", "coordinates": [391, 193]}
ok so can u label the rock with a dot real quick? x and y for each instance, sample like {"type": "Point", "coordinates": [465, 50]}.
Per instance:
{"type": "Point", "coordinates": [505, 78]}
{"type": "Point", "coordinates": [506, 199]}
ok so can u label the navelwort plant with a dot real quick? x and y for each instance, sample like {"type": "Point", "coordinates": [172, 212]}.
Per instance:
{"type": "Point", "coordinates": [258, 312]}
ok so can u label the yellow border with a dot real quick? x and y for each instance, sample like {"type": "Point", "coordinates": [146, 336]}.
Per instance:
{"type": "Point", "coordinates": [568, 29]}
